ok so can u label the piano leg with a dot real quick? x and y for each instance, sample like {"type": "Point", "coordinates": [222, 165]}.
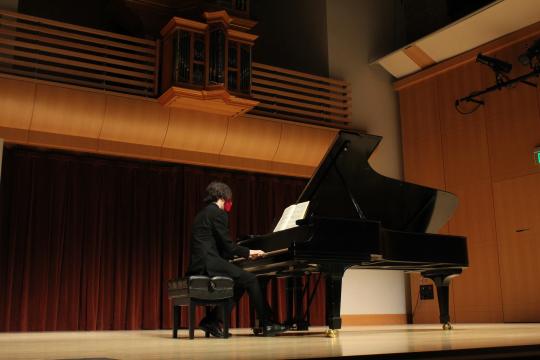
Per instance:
{"type": "Point", "coordinates": [295, 292]}
{"type": "Point", "coordinates": [441, 279]}
{"type": "Point", "coordinates": [263, 284]}
{"type": "Point", "coordinates": [290, 284]}
{"type": "Point", "coordinates": [333, 277]}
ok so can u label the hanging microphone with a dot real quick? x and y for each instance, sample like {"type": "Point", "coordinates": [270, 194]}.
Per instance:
{"type": "Point", "coordinates": [533, 52]}
{"type": "Point", "coordinates": [495, 64]}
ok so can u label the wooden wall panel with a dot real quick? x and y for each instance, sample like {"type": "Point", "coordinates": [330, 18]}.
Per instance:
{"type": "Point", "coordinates": [466, 154]}
{"type": "Point", "coordinates": [131, 122]}
{"type": "Point", "coordinates": [247, 164]}
{"type": "Point", "coordinates": [196, 131]}
{"type": "Point", "coordinates": [421, 130]}
{"type": "Point", "coordinates": [16, 108]}
{"type": "Point", "coordinates": [250, 144]}
{"type": "Point", "coordinates": [514, 122]}
{"type": "Point", "coordinates": [304, 171]}
{"type": "Point", "coordinates": [135, 121]}
{"type": "Point", "coordinates": [67, 111]}
{"type": "Point", "coordinates": [195, 137]}
{"type": "Point", "coordinates": [251, 139]}
{"type": "Point", "coordinates": [477, 292]}
{"type": "Point", "coordinates": [303, 145]}
{"type": "Point", "coordinates": [517, 209]}
{"type": "Point", "coordinates": [475, 203]}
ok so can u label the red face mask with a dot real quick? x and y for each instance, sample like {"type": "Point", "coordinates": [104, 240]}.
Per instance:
{"type": "Point", "coordinates": [227, 206]}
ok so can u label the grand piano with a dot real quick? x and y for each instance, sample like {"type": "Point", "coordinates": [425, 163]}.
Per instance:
{"type": "Point", "coordinates": [359, 219]}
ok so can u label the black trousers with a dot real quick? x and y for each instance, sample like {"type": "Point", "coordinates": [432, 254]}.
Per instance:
{"type": "Point", "coordinates": [246, 281]}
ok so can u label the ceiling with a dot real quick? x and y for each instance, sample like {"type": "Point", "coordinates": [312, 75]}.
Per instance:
{"type": "Point", "coordinates": [489, 23]}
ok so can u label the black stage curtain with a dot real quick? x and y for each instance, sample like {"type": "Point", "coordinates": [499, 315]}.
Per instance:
{"type": "Point", "coordinates": [88, 243]}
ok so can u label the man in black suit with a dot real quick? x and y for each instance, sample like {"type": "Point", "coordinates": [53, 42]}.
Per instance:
{"type": "Point", "coordinates": [212, 247]}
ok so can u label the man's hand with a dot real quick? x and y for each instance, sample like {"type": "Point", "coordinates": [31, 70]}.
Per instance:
{"type": "Point", "coordinates": [255, 254]}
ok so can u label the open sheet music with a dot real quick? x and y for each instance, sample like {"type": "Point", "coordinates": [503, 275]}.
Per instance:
{"type": "Point", "coordinates": [290, 215]}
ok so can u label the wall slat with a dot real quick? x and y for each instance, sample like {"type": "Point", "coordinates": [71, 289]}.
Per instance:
{"type": "Point", "coordinates": [339, 104]}
{"type": "Point", "coordinates": [291, 95]}
{"type": "Point", "coordinates": [51, 50]}
{"type": "Point", "coordinates": [275, 84]}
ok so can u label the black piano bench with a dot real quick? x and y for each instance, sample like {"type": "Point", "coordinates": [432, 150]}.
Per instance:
{"type": "Point", "coordinates": [201, 290]}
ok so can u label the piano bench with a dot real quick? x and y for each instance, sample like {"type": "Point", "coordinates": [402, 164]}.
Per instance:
{"type": "Point", "coordinates": [201, 290]}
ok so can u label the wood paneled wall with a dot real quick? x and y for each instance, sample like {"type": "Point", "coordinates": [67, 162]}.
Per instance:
{"type": "Point", "coordinates": [486, 159]}
{"type": "Point", "coordinates": [41, 113]}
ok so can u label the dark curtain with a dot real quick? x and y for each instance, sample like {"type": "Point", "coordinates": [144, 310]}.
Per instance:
{"type": "Point", "coordinates": [88, 243]}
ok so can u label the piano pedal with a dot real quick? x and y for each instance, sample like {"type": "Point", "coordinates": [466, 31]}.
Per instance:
{"type": "Point", "coordinates": [331, 333]}
{"type": "Point", "coordinates": [447, 326]}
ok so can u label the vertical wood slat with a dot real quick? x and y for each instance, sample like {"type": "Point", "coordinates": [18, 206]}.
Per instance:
{"type": "Point", "coordinates": [46, 49]}
{"type": "Point", "coordinates": [284, 93]}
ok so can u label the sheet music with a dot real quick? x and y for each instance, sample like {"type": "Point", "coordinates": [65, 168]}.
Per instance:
{"type": "Point", "coordinates": [290, 215]}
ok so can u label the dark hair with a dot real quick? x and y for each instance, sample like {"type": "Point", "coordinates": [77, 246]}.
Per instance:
{"type": "Point", "coordinates": [217, 190]}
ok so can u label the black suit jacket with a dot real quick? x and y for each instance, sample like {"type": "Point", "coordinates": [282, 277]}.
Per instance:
{"type": "Point", "coordinates": [211, 245]}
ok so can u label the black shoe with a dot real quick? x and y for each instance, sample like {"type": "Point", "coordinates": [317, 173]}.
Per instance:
{"type": "Point", "coordinates": [212, 328]}
{"type": "Point", "coordinates": [273, 329]}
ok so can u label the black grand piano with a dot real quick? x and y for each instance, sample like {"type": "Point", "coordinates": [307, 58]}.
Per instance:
{"type": "Point", "coordinates": [357, 218]}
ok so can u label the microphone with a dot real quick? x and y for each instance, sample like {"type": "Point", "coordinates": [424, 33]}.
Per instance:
{"type": "Point", "coordinates": [495, 64]}
{"type": "Point", "coordinates": [527, 57]}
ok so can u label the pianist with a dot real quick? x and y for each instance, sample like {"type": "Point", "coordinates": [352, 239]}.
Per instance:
{"type": "Point", "coordinates": [212, 247]}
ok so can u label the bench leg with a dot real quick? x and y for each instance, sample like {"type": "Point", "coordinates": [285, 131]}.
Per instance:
{"type": "Point", "coordinates": [192, 307]}
{"type": "Point", "coordinates": [176, 320]}
{"type": "Point", "coordinates": [226, 307]}
{"type": "Point", "coordinates": [207, 313]}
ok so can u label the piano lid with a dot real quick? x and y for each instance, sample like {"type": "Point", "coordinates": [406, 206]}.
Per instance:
{"type": "Point", "coordinates": [345, 186]}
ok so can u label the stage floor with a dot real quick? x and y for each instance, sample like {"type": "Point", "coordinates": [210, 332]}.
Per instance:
{"type": "Point", "coordinates": [352, 341]}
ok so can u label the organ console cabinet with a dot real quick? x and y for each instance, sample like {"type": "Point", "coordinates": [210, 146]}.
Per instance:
{"type": "Point", "coordinates": [206, 66]}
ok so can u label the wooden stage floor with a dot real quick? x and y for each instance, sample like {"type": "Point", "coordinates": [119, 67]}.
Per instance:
{"type": "Point", "coordinates": [364, 342]}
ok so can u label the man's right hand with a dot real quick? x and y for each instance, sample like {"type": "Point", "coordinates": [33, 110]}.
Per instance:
{"type": "Point", "coordinates": [255, 254]}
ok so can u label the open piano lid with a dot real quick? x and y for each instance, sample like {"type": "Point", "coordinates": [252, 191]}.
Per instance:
{"type": "Point", "coordinates": [345, 186]}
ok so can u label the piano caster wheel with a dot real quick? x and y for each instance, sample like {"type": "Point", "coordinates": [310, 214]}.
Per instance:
{"type": "Point", "coordinates": [331, 333]}
{"type": "Point", "coordinates": [447, 326]}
